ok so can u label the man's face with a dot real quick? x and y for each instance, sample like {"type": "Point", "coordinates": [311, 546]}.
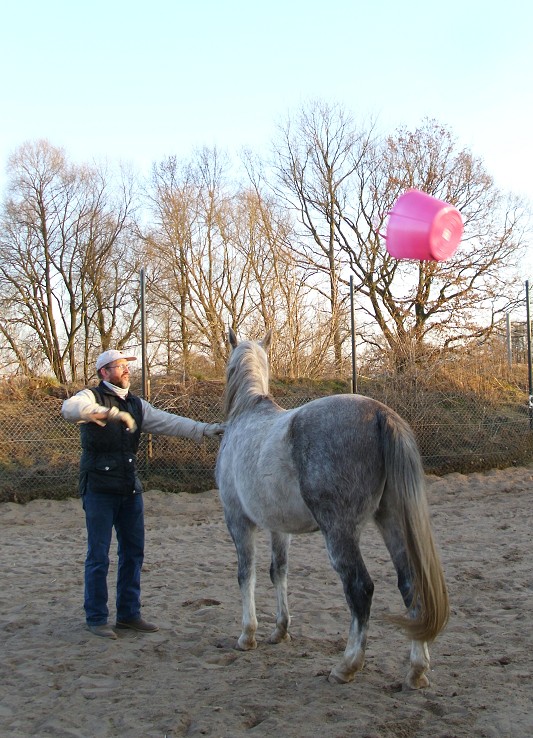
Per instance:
{"type": "Point", "coordinates": [117, 373]}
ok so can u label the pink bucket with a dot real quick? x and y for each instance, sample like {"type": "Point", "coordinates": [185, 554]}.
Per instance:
{"type": "Point", "coordinates": [423, 228]}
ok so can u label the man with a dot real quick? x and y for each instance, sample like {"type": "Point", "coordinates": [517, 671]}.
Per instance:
{"type": "Point", "coordinates": [111, 419]}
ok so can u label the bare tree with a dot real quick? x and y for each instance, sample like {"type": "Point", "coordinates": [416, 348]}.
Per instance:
{"type": "Point", "coordinates": [200, 274]}
{"type": "Point", "coordinates": [315, 164]}
{"type": "Point", "coordinates": [169, 238]}
{"type": "Point", "coordinates": [220, 278]}
{"type": "Point", "coordinates": [220, 252]}
{"type": "Point", "coordinates": [419, 304]}
{"type": "Point", "coordinates": [343, 185]}
{"type": "Point", "coordinates": [62, 271]}
{"type": "Point", "coordinates": [282, 285]}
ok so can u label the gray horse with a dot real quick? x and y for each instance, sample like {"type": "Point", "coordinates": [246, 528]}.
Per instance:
{"type": "Point", "coordinates": [331, 465]}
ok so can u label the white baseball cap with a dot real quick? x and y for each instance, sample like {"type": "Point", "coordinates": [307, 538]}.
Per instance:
{"type": "Point", "coordinates": [112, 355]}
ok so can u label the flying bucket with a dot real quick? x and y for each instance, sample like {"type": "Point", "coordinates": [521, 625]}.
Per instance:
{"type": "Point", "coordinates": [423, 228]}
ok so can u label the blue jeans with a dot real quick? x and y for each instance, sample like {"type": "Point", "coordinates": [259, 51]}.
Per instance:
{"type": "Point", "coordinates": [125, 513]}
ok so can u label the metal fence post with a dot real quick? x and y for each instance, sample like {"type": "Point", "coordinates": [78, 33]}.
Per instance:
{"type": "Point", "coordinates": [354, 359]}
{"type": "Point", "coordinates": [529, 368]}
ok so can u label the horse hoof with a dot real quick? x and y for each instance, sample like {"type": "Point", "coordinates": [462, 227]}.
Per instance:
{"type": "Point", "coordinates": [417, 681]}
{"type": "Point", "coordinates": [277, 637]}
{"type": "Point", "coordinates": [340, 677]}
{"type": "Point", "coordinates": [247, 645]}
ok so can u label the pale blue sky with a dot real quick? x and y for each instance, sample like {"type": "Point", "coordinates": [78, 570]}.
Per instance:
{"type": "Point", "coordinates": [135, 82]}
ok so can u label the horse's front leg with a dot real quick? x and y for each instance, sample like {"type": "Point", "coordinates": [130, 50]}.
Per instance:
{"type": "Point", "coordinates": [243, 532]}
{"type": "Point", "coordinates": [278, 574]}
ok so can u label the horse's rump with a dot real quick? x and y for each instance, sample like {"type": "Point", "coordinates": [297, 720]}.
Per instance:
{"type": "Point", "coordinates": [336, 446]}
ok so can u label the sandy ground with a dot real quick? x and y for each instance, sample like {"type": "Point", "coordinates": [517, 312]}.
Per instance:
{"type": "Point", "coordinates": [56, 679]}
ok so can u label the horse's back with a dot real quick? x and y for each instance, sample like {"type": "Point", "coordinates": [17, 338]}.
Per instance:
{"type": "Point", "coordinates": [337, 430]}
{"type": "Point", "coordinates": [288, 468]}
{"type": "Point", "coordinates": [255, 471]}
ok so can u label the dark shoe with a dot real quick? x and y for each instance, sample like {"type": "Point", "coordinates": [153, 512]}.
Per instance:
{"type": "Point", "coordinates": [104, 631]}
{"type": "Point", "coordinates": [139, 624]}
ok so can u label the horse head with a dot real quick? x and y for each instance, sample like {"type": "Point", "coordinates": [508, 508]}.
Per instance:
{"type": "Point", "coordinates": [264, 342]}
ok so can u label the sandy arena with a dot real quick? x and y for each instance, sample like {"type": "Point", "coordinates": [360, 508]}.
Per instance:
{"type": "Point", "coordinates": [187, 680]}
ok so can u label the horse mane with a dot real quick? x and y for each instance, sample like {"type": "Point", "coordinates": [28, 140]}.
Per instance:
{"type": "Point", "coordinates": [247, 378]}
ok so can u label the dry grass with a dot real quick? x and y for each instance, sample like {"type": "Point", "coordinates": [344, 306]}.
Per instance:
{"type": "Point", "coordinates": [468, 415]}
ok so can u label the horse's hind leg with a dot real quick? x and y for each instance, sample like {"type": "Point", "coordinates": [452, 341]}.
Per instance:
{"type": "Point", "coordinates": [358, 589]}
{"type": "Point", "coordinates": [419, 656]}
{"type": "Point", "coordinates": [417, 678]}
{"type": "Point", "coordinates": [278, 575]}
{"type": "Point", "coordinates": [243, 532]}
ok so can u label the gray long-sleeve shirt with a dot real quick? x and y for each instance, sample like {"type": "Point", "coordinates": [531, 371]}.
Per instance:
{"type": "Point", "coordinates": [159, 422]}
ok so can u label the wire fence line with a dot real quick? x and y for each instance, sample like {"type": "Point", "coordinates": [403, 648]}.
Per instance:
{"type": "Point", "coordinates": [39, 451]}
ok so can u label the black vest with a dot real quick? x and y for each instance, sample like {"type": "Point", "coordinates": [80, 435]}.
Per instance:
{"type": "Point", "coordinates": [108, 460]}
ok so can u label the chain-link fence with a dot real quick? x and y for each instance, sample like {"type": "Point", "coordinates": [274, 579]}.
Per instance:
{"type": "Point", "coordinates": [39, 451]}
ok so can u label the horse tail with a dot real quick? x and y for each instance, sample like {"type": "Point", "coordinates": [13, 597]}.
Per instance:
{"type": "Point", "coordinates": [428, 597]}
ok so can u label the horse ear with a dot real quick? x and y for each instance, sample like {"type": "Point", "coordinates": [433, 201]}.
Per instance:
{"type": "Point", "coordinates": [232, 338]}
{"type": "Point", "coordinates": [265, 343]}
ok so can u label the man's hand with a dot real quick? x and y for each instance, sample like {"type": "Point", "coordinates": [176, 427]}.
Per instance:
{"type": "Point", "coordinates": [95, 416]}
{"type": "Point", "coordinates": [213, 430]}
{"type": "Point", "coordinates": [113, 415]}
{"type": "Point", "coordinates": [121, 416]}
